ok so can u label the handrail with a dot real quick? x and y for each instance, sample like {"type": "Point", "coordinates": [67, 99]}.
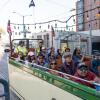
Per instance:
{"type": "Point", "coordinates": [6, 89]}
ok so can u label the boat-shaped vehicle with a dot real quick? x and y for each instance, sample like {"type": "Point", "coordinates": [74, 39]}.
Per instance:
{"type": "Point", "coordinates": [32, 82]}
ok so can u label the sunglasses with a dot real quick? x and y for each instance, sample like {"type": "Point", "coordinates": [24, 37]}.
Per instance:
{"type": "Point", "coordinates": [41, 58]}
{"type": "Point", "coordinates": [53, 63]}
{"type": "Point", "coordinates": [83, 69]}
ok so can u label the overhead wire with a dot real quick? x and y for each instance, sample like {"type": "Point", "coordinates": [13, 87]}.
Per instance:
{"type": "Point", "coordinates": [60, 20]}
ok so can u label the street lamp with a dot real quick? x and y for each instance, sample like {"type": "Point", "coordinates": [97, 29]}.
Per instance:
{"type": "Point", "coordinates": [23, 16]}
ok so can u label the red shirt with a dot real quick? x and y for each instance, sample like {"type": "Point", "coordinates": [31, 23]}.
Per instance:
{"type": "Point", "coordinates": [90, 77]}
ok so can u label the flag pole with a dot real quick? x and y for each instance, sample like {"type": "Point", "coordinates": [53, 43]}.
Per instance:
{"type": "Point", "coordinates": [10, 33]}
{"type": "Point", "coordinates": [53, 34]}
{"type": "Point", "coordinates": [10, 44]}
{"type": "Point", "coordinates": [52, 40]}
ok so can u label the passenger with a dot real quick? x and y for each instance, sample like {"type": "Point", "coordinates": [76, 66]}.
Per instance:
{"type": "Point", "coordinates": [31, 57]}
{"type": "Point", "coordinates": [41, 61]}
{"type": "Point", "coordinates": [53, 65]}
{"type": "Point", "coordinates": [87, 61]}
{"type": "Point", "coordinates": [51, 56]}
{"type": "Point", "coordinates": [59, 52]}
{"type": "Point", "coordinates": [99, 71]}
{"type": "Point", "coordinates": [45, 54]}
{"type": "Point", "coordinates": [21, 49]}
{"type": "Point", "coordinates": [67, 50]}
{"type": "Point", "coordinates": [52, 50]}
{"type": "Point", "coordinates": [20, 57]}
{"type": "Point", "coordinates": [59, 57]}
{"type": "Point", "coordinates": [96, 65]}
{"type": "Point", "coordinates": [77, 57]}
{"type": "Point", "coordinates": [39, 48]}
{"type": "Point", "coordinates": [68, 65]}
{"type": "Point", "coordinates": [84, 73]}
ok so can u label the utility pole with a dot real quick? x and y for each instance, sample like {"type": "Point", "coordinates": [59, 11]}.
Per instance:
{"type": "Point", "coordinates": [90, 29]}
{"type": "Point", "coordinates": [24, 31]}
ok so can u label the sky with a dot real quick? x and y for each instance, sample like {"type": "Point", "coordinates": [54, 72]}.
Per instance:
{"type": "Point", "coordinates": [44, 10]}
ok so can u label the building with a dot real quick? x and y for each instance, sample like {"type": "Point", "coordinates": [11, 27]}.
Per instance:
{"type": "Point", "coordinates": [88, 22]}
{"type": "Point", "coordinates": [89, 10]}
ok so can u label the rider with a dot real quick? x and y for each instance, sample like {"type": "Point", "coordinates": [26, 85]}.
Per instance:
{"type": "Point", "coordinates": [21, 50]}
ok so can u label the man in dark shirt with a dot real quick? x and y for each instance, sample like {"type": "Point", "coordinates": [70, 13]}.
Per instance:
{"type": "Point", "coordinates": [68, 65]}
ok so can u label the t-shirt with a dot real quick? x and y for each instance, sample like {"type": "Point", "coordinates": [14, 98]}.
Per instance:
{"type": "Point", "coordinates": [90, 77]}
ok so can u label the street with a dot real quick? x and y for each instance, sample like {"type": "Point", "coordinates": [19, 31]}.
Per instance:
{"type": "Point", "coordinates": [3, 67]}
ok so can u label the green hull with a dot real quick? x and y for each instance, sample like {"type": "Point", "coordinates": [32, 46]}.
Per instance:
{"type": "Point", "coordinates": [77, 89]}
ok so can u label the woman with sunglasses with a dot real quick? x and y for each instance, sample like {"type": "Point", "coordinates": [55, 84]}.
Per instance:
{"type": "Point", "coordinates": [53, 67]}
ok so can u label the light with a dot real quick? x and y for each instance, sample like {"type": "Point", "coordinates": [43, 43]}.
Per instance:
{"type": "Point", "coordinates": [87, 16]}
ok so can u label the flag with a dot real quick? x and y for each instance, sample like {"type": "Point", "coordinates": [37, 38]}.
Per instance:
{"type": "Point", "coordinates": [9, 28]}
{"type": "Point", "coordinates": [32, 4]}
{"type": "Point", "coordinates": [52, 31]}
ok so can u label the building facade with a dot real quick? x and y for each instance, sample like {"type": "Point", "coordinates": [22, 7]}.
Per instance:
{"type": "Point", "coordinates": [89, 10]}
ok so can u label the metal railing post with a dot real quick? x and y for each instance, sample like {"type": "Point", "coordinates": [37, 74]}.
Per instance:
{"type": "Point", "coordinates": [6, 89]}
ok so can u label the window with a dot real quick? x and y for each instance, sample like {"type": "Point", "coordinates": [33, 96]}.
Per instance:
{"type": "Point", "coordinates": [39, 37]}
{"type": "Point", "coordinates": [19, 33]}
{"type": "Point", "coordinates": [15, 33]}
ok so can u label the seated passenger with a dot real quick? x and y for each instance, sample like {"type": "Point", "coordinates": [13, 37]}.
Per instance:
{"type": "Point", "coordinates": [51, 55]}
{"type": "Point", "coordinates": [84, 73]}
{"type": "Point", "coordinates": [44, 53]}
{"type": "Point", "coordinates": [31, 57]}
{"type": "Point", "coordinates": [68, 66]}
{"type": "Point", "coordinates": [59, 57]}
{"type": "Point", "coordinates": [41, 61]}
{"type": "Point", "coordinates": [53, 66]}
{"type": "Point", "coordinates": [77, 57]}
{"type": "Point", "coordinates": [96, 65]}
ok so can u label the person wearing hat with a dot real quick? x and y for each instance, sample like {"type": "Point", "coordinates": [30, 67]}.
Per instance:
{"type": "Point", "coordinates": [44, 53]}
{"type": "Point", "coordinates": [83, 72]}
{"type": "Point", "coordinates": [68, 66]}
{"type": "Point", "coordinates": [31, 57]}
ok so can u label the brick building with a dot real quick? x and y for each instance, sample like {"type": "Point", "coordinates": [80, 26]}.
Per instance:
{"type": "Point", "coordinates": [89, 10]}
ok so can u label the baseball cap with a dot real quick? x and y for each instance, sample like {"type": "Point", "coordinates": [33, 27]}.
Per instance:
{"type": "Point", "coordinates": [31, 53]}
{"type": "Point", "coordinates": [43, 48]}
{"type": "Point", "coordinates": [82, 66]}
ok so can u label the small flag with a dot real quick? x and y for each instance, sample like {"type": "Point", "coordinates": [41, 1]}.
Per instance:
{"type": "Point", "coordinates": [53, 32]}
{"type": "Point", "coordinates": [9, 28]}
{"type": "Point", "coordinates": [32, 4]}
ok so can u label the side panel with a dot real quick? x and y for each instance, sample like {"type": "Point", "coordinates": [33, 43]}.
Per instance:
{"type": "Point", "coordinates": [33, 88]}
